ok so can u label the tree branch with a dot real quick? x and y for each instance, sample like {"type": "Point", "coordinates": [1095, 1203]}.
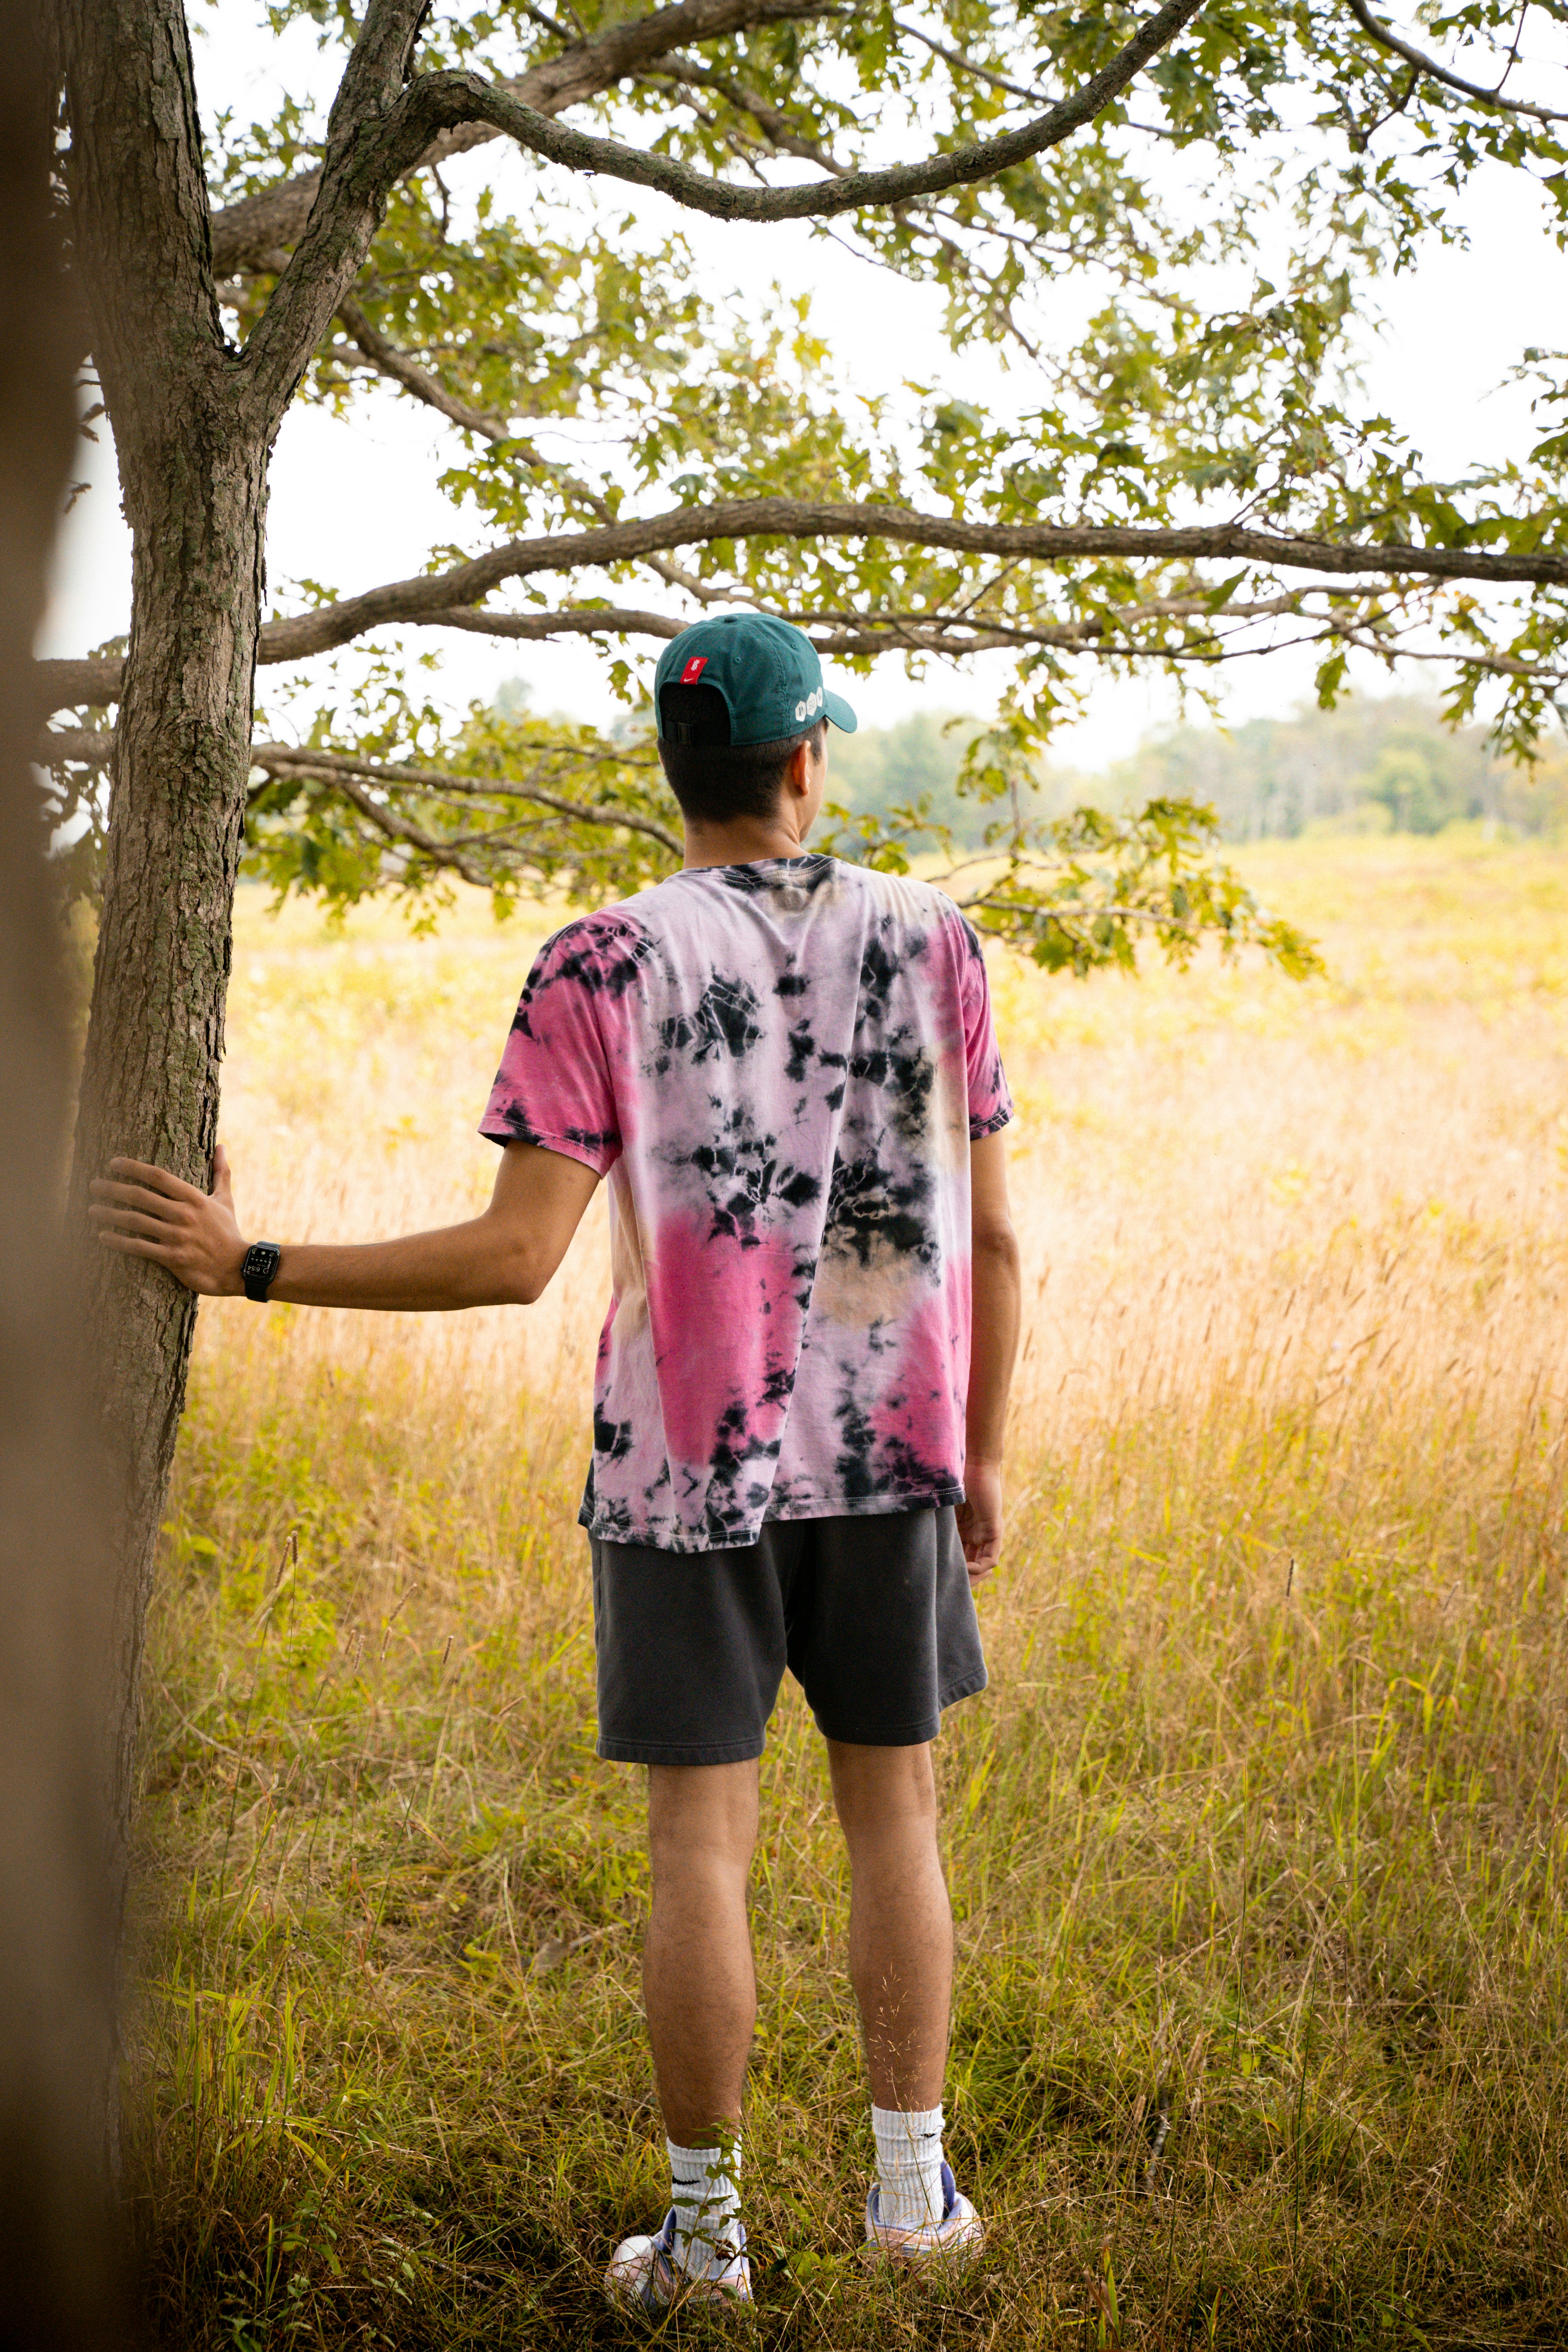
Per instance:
{"type": "Point", "coordinates": [448, 599]}
{"type": "Point", "coordinates": [441, 100]}
{"type": "Point", "coordinates": [386, 360]}
{"type": "Point", "coordinates": [569, 621]}
{"type": "Point", "coordinates": [352, 777]}
{"type": "Point", "coordinates": [1388, 38]}
{"type": "Point", "coordinates": [774, 126]}
{"type": "Point", "coordinates": [255, 233]}
{"type": "Point", "coordinates": [967, 65]}
{"type": "Point", "coordinates": [467, 583]}
{"type": "Point", "coordinates": [368, 122]}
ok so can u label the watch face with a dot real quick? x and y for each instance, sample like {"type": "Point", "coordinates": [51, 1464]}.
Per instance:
{"type": "Point", "coordinates": [259, 1268]}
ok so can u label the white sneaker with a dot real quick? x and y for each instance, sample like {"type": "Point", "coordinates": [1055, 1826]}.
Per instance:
{"type": "Point", "coordinates": [957, 2237]}
{"type": "Point", "coordinates": [644, 2272]}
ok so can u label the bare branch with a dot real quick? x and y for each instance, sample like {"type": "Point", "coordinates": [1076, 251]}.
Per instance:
{"type": "Point", "coordinates": [388, 360]}
{"type": "Point", "coordinates": [967, 65]}
{"type": "Point", "coordinates": [444, 99]}
{"type": "Point", "coordinates": [1388, 38]}
{"type": "Point", "coordinates": [776, 127]}
{"type": "Point", "coordinates": [79, 745]}
{"type": "Point", "coordinates": [92, 683]}
{"type": "Point", "coordinates": [399, 828]}
{"type": "Point", "coordinates": [571, 621]}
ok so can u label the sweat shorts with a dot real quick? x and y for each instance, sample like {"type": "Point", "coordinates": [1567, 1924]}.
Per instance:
{"type": "Point", "coordinates": [873, 1616]}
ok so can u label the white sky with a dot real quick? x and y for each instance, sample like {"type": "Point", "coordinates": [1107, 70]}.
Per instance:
{"type": "Point", "coordinates": [354, 502]}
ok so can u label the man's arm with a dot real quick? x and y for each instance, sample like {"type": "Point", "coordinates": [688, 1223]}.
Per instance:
{"type": "Point", "coordinates": [501, 1258]}
{"type": "Point", "coordinates": [995, 1276]}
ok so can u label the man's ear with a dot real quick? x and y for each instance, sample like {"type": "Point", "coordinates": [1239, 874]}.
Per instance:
{"type": "Point", "coordinates": [798, 774]}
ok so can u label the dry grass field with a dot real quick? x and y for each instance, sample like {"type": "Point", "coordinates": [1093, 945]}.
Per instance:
{"type": "Point", "coordinates": [1257, 1842]}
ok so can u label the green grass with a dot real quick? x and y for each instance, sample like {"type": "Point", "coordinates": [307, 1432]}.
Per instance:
{"type": "Point", "coordinates": [1257, 1837]}
{"type": "Point", "coordinates": [1261, 1827]}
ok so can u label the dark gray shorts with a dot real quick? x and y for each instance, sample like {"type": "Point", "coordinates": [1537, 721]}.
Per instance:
{"type": "Point", "coordinates": [873, 1616]}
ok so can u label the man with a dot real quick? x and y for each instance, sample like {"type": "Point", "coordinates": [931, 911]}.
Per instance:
{"type": "Point", "coordinates": [785, 1068]}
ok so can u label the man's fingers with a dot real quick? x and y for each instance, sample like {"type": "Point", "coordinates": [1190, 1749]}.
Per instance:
{"type": "Point", "coordinates": [128, 1195]}
{"type": "Point", "coordinates": [111, 1197]}
{"type": "Point", "coordinates": [132, 1245]}
{"type": "Point", "coordinates": [223, 1177]}
{"type": "Point", "coordinates": [131, 1221]}
{"type": "Point", "coordinates": [982, 1550]}
{"type": "Point", "coordinates": [157, 1180]}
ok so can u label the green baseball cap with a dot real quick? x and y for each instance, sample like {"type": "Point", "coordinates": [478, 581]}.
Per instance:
{"type": "Point", "coordinates": [766, 670]}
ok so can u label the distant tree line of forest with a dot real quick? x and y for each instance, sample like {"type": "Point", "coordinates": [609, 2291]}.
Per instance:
{"type": "Point", "coordinates": [1382, 763]}
{"type": "Point", "coordinates": [1377, 763]}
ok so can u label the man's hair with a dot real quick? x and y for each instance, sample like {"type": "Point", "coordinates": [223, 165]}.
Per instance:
{"type": "Point", "coordinates": [716, 780]}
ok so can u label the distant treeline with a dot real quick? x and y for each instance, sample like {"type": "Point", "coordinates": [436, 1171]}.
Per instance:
{"type": "Point", "coordinates": [879, 769]}
{"type": "Point", "coordinates": [1375, 764]}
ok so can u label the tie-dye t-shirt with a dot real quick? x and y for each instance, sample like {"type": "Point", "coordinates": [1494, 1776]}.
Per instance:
{"type": "Point", "coordinates": [780, 1068]}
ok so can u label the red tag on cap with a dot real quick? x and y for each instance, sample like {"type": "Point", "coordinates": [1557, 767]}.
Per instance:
{"type": "Point", "coordinates": [694, 670]}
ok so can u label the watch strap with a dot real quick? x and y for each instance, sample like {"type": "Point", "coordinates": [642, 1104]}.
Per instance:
{"type": "Point", "coordinates": [259, 1269]}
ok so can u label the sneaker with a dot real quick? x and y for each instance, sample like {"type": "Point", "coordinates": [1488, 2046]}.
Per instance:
{"type": "Point", "coordinates": [644, 2270]}
{"type": "Point", "coordinates": [956, 2238]}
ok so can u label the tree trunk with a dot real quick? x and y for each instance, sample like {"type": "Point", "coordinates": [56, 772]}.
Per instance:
{"type": "Point", "coordinates": [192, 453]}
{"type": "Point", "coordinates": [56, 2267]}
{"type": "Point", "coordinates": [150, 1083]}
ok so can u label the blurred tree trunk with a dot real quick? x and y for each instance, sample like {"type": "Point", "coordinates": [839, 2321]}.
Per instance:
{"type": "Point", "coordinates": [57, 1954]}
{"type": "Point", "coordinates": [193, 455]}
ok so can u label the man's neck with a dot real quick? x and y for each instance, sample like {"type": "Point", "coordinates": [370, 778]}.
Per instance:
{"type": "Point", "coordinates": [742, 844]}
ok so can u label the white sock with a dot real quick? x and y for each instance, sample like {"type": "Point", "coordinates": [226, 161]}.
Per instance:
{"type": "Point", "coordinates": [908, 2166]}
{"type": "Point", "coordinates": [705, 2190]}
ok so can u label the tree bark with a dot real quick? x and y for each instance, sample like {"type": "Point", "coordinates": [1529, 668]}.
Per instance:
{"type": "Point", "coordinates": [193, 458]}
{"type": "Point", "coordinates": [154, 1048]}
{"type": "Point", "coordinates": [56, 2046]}
{"type": "Point", "coordinates": [193, 421]}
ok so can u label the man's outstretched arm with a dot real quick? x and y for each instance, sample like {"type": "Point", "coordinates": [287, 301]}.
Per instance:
{"type": "Point", "coordinates": [504, 1257]}
{"type": "Point", "coordinates": [995, 1286]}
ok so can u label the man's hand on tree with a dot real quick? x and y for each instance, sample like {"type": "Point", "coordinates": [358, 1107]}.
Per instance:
{"type": "Point", "coordinates": [145, 1212]}
{"type": "Point", "coordinates": [980, 1519]}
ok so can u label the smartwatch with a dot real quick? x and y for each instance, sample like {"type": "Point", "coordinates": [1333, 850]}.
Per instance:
{"type": "Point", "coordinates": [259, 1269]}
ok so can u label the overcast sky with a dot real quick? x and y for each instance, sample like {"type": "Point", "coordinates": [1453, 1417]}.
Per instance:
{"type": "Point", "coordinates": [354, 502]}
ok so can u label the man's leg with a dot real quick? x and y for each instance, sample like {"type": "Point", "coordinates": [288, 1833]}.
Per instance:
{"type": "Point", "coordinates": [699, 1986]}
{"type": "Point", "coordinates": [900, 1959]}
{"type": "Point", "coordinates": [900, 1925]}
{"type": "Point", "coordinates": [701, 2001]}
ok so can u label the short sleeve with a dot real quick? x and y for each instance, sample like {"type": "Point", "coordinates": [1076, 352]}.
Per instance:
{"type": "Point", "coordinates": [554, 1087]}
{"type": "Point", "coordinates": [990, 1102]}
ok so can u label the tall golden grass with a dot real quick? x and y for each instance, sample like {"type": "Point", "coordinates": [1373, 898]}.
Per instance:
{"type": "Point", "coordinates": [1257, 1839]}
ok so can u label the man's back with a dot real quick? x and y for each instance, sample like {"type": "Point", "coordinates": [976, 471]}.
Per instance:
{"type": "Point", "coordinates": [781, 1067]}
{"type": "Point", "coordinates": [786, 1067]}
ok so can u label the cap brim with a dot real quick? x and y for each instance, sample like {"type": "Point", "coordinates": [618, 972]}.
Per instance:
{"type": "Point", "coordinates": [833, 706]}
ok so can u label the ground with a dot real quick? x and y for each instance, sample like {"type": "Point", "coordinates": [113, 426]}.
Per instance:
{"type": "Point", "coordinates": [1256, 1840]}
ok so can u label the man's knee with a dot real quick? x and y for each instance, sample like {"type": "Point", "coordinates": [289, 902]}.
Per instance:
{"type": "Point", "coordinates": [882, 1791]}
{"type": "Point", "coordinates": [701, 1816]}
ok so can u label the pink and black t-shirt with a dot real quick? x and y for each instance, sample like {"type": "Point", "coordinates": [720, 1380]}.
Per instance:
{"type": "Point", "coordinates": [780, 1068]}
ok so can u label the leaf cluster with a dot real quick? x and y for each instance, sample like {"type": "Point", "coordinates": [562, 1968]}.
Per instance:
{"type": "Point", "coordinates": [1221, 224]}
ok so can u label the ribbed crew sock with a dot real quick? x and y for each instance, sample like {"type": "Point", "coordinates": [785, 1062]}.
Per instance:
{"type": "Point", "coordinates": [705, 2190]}
{"type": "Point", "coordinates": [908, 2166]}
